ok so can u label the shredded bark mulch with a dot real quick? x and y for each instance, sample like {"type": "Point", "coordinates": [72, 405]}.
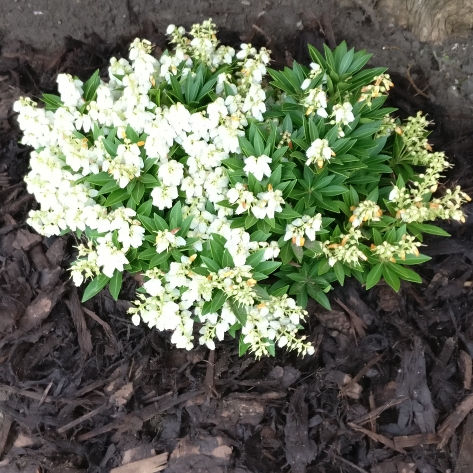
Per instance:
{"type": "Point", "coordinates": [388, 390]}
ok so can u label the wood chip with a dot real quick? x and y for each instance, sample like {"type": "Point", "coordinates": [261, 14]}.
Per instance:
{"type": "Point", "coordinates": [447, 429]}
{"type": "Point", "coordinates": [403, 467]}
{"type": "Point", "coordinates": [466, 368]}
{"type": "Point", "coordinates": [210, 375]}
{"type": "Point", "coordinates": [25, 240]}
{"type": "Point", "coordinates": [441, 363]}
{"type": "Point", "coordinates": [412, 382]}
{"type": "Point", "coordinates": [360, 375]}
{"type": "Point", "coordinates": [39, 309]}
{"type": "Point", "coordinates": [136, 419]}
{"type": "Point", "coordinates": [106, 327]}
{"type": "Point", "coordinates": [465, 456]}
{"type": "Point", "coordinates": [405, 441]}
{"type": "Point", "coordinates": [377, 412]}
{"type": "Point", "coordinates": [376, 437]}
{"type": "Point", "coordinates": [140, 452]}
{"type": "Point", "coordinates": [81, 419]}
{"type": "Point", "coordinates": [123, 395]}
{"type": "Point", "coordinates": [357, 324]}
{"type": "Point", "coordinates": [77, 314]}
{"type": "Point", "coordinates": [6, 426]}
{"type": "Point", "coordinates": [149, 465]}
{"type": "Point", "coordinates": [45, 394]}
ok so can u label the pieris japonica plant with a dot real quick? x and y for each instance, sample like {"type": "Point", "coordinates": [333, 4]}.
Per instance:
{"type": "Point", "coordinates": [236, 190]}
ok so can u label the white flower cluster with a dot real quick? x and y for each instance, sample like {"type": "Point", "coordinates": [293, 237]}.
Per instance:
{"type": "Point", "coordinates": [315, 101]}
{"type": "Point", "coordinates": [343, 113]}
{"type": "Point", "coordinates": [265, 204]}
{"type": "Point", "coordinates": [382, 84]}
{"type": "Point", "coordinates": [319, 151]}
{"type": "Point", "coordinates": [314, 72]}
{"type": "Point", "coordinates": [364, 212]}
{"type": "Point", "coordinates": [347, 251]}
{"type": "Point", "coordinates": [305, 225]}
{"type": "Point", "coordinates": [411, 207]}
{"type": "Point", "coordinates": [168, 308]}
{"type": "Point", "coordinates": [207, 137]}
{"type": "Point", "coordinates": [389, 252]}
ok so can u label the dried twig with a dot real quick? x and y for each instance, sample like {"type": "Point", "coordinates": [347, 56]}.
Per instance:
{"type": "Point", "coordinates": [81, 419]}
{"type": "Point", "coordinates": [360, 375]}
{"type": "Point", "coordinates": [376, 437]}
{"type": "Point", "coordinates": [356, 467]}
{"type": "Point", "coordinates": [411, 80]}
{"type": "Point", "coordinates": [377, 412]}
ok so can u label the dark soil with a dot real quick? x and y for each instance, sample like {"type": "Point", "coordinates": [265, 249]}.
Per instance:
{"type": "Point", "coordinates": [388, 390]}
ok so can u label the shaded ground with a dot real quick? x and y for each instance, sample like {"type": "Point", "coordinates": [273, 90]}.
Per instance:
{"type": "Point", "coordinates": [388, 390]}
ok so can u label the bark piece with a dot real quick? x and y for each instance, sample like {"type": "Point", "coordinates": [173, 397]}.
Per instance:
{"type": "Point", "coordinates": [447, 429]}
{"type": "Point", "coordinates": [83, 335]}
{"type": "Point", "coordinates": [345, 383]}
{"type": "Point", "coordinates": [405, 441]}
{"type": "Point", "coordinates": [375, 413]}
{"type": "Point", "coordinates": [148, 465]}
{"type": "Point", "coordinates": [465, 456]}
{"type": "Point", "coordinates": [466, 368]}
{"type": "Point", "coordinates": [240, 408]}
{"type": "Point", "coordinates": [106, 327]}
{"type": "Point", "coordinates": [6, 426]}
{"type": "Point", "coordinates": [25, 240]}
{"type": "Point", "coordinates": [376, 437]}
{"type": "Point", "coordinates": [412, 382]}
{"type": "Point", "coordinates": [123, 395]}
{"type": "Point", "coordinates": [81, 419]}
{"type": "Point", "coordinates": [300, 450]}
{"type": "Point", "coordinates": [55, 253]}
{"type": "Point", "coordinates": [201, 454]}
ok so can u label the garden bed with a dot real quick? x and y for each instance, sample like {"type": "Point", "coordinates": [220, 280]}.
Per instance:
{"type": "Point", "coordinates": [388, 388]}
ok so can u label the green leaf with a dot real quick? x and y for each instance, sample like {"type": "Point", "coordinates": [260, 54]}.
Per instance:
{"type": "Point", "coordinates": [288, 213]}
{"type": "Point", "coordinates": [138, 192]}
{"type": "Point", "coordinates": [217, 252]}
{"type": "Point", "coordinates": [175, 217]}
{"type": "Point", "coordinates": [430, 229]}
{"type": "Point", "coordinates": [160, 223]}
{"type": "Point", "coordinates": [212, 265]}
{"type": "Point", "coordinates": [218, 299]}
{"type": "Point", "coordinates": [298, 252]}
{"type": "Point", "coordinates": [254, 259]}
{"type": "Point", "coordinates": [227, 260]}
{"type": "Point", "coordinates": [100, 179]}
{"type": "Point", "coordinates": [145, 208]}
{"type": "Point", "coordinates": [406, 274]}
{"type": "Point", "coordinates": [319, 296]}
{"type": "Point", "coordinates": [115, 197]}
{"type": "Point", "coordinates": [148, 223]}
{"type": "Point", "coordinates": [391, 277]}
{"type": "Point", "coordinates": [239, 311]}
{"type": "Point", "coordinates": [242, 347]}
{"type": "Point", "coordinates": [267, 267]}
{"type": "Point", "coordinates": [286, 253]}
{"type": "Point", "coordinates": [339, 272]}
{"type": "Point", "coordinates": [95, 286]}
{"type": "Point", "coordinates": [53, 102]}
{"type": "Point", "coordinates": [115, 284]}
{"type": "Point", "coordinates": [90, 87]}
{"type": "Point", "coordinates": [374, 276]}
{"type": "Point", "coordinates": [159, 259]}
{"type": "Point", "coordinates": [270, 348]}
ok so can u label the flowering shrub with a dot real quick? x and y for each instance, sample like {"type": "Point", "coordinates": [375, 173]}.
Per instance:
{"type": "Point", "coordinates": [231, 194]}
